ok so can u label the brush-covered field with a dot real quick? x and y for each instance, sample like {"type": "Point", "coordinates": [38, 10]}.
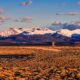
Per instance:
{"type": "Point", "coordinates": [39, 63]}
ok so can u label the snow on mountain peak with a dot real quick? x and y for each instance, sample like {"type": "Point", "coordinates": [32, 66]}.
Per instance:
{"type": "Point", "coordinates": [38, 31]}
{"type": "Point", "coordinates": [65, 32]}
{"type": "Point", "coordinates": [32, 31]}
{"type": "Point", "coordinates": [10, 31]}
{"type": "Point", "coordinates": [68, 33]}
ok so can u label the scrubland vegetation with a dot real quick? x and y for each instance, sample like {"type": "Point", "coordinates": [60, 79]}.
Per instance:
{"type": "Point", "coordinates": [39, 63]}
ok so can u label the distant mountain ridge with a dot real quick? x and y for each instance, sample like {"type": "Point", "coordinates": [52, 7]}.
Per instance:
{"type": "Point", "coordinates": [38, 31]}
{"type": "Point", "coordinates": [32, 31]}
{"type": "Point", "coordinates": [38, 36]}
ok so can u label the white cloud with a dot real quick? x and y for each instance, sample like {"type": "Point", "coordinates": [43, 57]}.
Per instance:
{"type": "Point", "coordinates": [78, 3]}
{"type": "Point", "coordinates": [56, 23]}
{"type": "Point", "coordinates": [1, 10]}
{"type": "Point", "coordinates": [3, 19]}
{"type": "Point", "coordinates": [24, 19]}
{"type": "Point", "coordinates": [73, 13]}
{"type": "Point", "coordinates": [26, 3]}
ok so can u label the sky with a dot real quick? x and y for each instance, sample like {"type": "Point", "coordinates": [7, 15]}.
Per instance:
{"type": "Point", "coordinates": [28, 13]}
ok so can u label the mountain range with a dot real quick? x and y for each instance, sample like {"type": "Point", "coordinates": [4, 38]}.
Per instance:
{"type": "Point", "coordinates": [38, 36]}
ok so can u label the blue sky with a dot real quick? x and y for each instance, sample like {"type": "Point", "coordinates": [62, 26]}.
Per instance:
{"type": "Point", "coordinates": [42, 12]}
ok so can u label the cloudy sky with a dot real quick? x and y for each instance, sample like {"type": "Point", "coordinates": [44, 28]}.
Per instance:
{"type": "Point", "coordinates": [26, 13]}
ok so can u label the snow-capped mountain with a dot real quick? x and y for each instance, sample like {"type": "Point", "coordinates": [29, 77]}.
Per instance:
{"type": "Point", "coordinates": [38, 35]}
{"type": "Point", "coordinates": [68, 33]}
{"type": "Point", "coordinates": [10, 31]}
{"type": "Point", "coordinates": [32, 31]}
{"type": "Point", "coordinates": [38, 31]}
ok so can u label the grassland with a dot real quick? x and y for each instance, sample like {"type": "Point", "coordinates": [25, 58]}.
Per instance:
{"type": "Point", "coordinates": [39, 63]}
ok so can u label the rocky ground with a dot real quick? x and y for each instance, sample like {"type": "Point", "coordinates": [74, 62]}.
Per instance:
{"type": "Point", "coordinates": [49, 73]}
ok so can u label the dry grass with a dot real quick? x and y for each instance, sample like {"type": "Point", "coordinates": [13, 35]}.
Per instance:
{"type": "Point", "coordinates": [24, 49]}
{"type": "Point", "coordinates": [39, 63]}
